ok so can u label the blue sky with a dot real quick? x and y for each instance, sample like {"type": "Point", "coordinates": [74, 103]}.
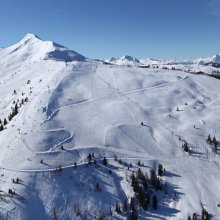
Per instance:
{"type": "Point", "coordinates": [105, 28]}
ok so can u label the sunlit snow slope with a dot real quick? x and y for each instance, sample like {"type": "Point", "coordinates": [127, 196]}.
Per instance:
{"type": "Point", "coordinates": [86, 106]}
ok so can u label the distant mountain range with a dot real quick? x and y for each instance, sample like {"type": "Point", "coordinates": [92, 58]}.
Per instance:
{"type": "Point", "coordinates": [132, 61]}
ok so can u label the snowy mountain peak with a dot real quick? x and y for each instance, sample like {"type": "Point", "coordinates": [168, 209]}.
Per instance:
{"type": "Point", "coordinates": [130, 58]}
{"type": "Point", "coordinates": [31, 48]}
{"type": "Point", "coordinates": [31, 36]}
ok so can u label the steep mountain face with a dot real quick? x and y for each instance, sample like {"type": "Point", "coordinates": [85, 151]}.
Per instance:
{"type": "Point", "coordinates": [73, 133]}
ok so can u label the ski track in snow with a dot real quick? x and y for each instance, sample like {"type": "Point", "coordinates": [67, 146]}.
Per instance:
{"type": "Point", "coordinates": [72, 165]}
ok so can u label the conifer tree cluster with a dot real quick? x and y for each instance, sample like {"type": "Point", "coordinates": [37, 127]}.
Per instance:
{"type": "Point", "coordinates": [204, 215]}
{"type": "Point", "coordinates": [13, 113]}
{"type": "Point", "coordinates": [143, 185]}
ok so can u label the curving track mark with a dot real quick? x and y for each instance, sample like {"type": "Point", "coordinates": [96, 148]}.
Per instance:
{"type": "Point", "coordinates": [71, 165]}
{"type": "Point", "coordinates": [52, 149]}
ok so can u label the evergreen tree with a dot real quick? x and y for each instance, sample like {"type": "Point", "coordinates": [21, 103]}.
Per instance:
{"type": "Point", "coordinates": [205, 215]}
{"type": "Point", "coordinates": [214, 141]}
{"type": "Point", "coordinates": [134, 183]}
{"type": "Point", "coordinates": [133, 215]}
{"type": "Point", "coordinates": [16, 109]}
{"type": "Point", "coordinates": [132, 205]}
{"type": "Point", "coordinates": [125, 207]}
{"type": "Point", "coordinates": [55, 214]}
{"type": "Point", "coordinates": [185, 147]}
{"type": "Point", "coordinates": [153, 177]}
{"type": "Point", "coordinates": [89, 158]}
{"type": "Point", "coordinates": [117, 208]}
{"type": "Point", "coordinates": [160, 169]}
{"type": "Point", "coordinates": [209, 139]}
{"type": "Point", "coordinates": [97, 187]}
{"type": "Point", "coordinates": [5, 121]}
{"type": "Point", "coordinates": [105, 162]}
{"type": "Point", "coordinates": [140, 196]}
{"type": "Point", "coordinates": [1, 127]}
{"type": "Point", "coordinates": [154, 202]}
{"type": "Point", "coordinates": [9, 117]}
{"type": "Point", "coordinates": [110, 211]}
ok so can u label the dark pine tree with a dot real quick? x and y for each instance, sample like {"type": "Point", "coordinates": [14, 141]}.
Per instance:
{"type": "Point", "coordinates": [209, 139]}
{"type": "Point", "coordinates": [5, 121]}
{"type": "Point", "coordinates": [125, 207]}
{"type": "Point", "coordinates": [105, 162]}
{"type": "Point", "coordinates": [16, 109]}
{"type": "Point", "coordinates": [1, 127]}
{"type": "Point", "coordinates": [154, 202]}
{"type": "Point", "coordinates": [117, 208]}
{"type": "Point", "coordinates": [160, 169]}
{"type": "Point", "coordinates": [133, 215]}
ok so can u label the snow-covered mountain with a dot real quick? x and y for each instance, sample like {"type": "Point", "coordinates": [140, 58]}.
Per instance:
{"type": "Point", "coordinates": [81, 139]}
{"type": "Point", "coordinates": [32, 48]}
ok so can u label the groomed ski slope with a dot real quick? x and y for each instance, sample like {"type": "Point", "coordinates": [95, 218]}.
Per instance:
{"type": "Point", "coordinates": [86, 106]}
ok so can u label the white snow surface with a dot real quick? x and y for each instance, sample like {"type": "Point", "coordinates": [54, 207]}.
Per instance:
{"type": "Point", "coordinates": [87, 107]}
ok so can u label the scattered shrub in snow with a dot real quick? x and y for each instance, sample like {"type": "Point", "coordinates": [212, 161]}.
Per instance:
{"type": "Point", "coordinates": [185, 147]}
